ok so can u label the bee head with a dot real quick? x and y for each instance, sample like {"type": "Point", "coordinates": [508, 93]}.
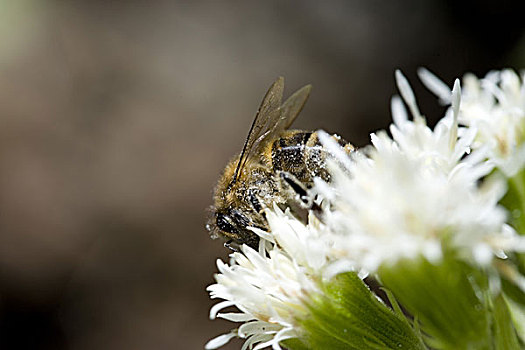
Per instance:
{"type": "Point", "coordinates": [225, 223]}
{"type": "Point", "coordinates": [233, 224]}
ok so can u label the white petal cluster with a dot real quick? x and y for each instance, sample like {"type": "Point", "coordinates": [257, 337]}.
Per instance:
{"type": "Point", "coordinates": [269, 286]}
{"type": "Point", "coordinates": [407, 194]}
{"type": "Point", "coordinates": [495, 108]}
{"type": "Point", "coordinates": [439, 149]}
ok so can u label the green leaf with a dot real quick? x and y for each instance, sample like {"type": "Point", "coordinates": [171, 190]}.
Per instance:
{"type": "Point", "coordinates": [347, 315]}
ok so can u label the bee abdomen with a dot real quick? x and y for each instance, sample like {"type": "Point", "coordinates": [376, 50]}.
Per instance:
{"type": "Point", "coordinates": [288, 154]}
{"type": "Point", "coordinates": [302, 154]}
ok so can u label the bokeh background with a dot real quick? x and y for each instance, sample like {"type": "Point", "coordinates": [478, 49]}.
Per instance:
{"type": "Point", "coordinates": [116, 118]}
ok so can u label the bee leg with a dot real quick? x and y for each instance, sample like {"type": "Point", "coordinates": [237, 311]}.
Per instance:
{"type": "Point", "coordinates": [232, 245]}
{"type": "Point", "coordinates": [307, 202]}
{"type": "Point", "coordinates": [295, 185]}
{"type": "Point", "coordinates": [254, 201]}
{"type": "Point", "coordinates": [317, 211]}
{"type": "Point", "coordinates": [299, 189]}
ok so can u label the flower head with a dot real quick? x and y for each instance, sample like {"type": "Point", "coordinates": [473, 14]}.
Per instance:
{"type": "Point", "coordinates": [413, 193]}
{"type": "Point", "coordinates": [494, 107]}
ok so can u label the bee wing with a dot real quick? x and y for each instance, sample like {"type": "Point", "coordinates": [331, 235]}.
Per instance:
{"type": "Point", "coordinates": [282, 118]}
{"type": "Point", "coordinates": [272, 118]}
{"type": "Point", "coordinates": [292, 107]}
{"type": "Point", "coordinates": [266, 119]}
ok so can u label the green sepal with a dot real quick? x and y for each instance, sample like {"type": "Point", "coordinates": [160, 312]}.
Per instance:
{"type": "Point", "coordinates": [347, 315]}
{"type": "Point", "coordinates": [515, 299]}
{"type": "Point", "coordinates": [517, 314]}
{"type": "Point", "coordinates": [449, 299]}
{"type": "Point", "coordinates": [294, 344]}
{"type": "Point", "coordinates": [505, 337]}
{"type": "Point", "coordinates": [512, 291]}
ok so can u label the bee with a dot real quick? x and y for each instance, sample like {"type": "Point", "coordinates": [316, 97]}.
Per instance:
{"type": "Point", "coordinates": [276, 165]}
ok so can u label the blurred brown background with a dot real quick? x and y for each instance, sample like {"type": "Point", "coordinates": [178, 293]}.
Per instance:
{"type": "Point", "coordinates": [116, 119]}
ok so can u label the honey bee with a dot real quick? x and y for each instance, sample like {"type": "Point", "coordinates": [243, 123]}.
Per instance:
{"type": "Point", "coordinates": [276, 165]}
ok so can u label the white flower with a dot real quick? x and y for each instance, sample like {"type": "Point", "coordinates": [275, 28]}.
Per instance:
{"type": "Point", "coordinates": [439, 148]}
{"type": "Point", "coordinates": [495, 108]}
{"type": "Point", "coordinates": [413, 192]}
{"type": "Point", "coordinates": [269, 287]}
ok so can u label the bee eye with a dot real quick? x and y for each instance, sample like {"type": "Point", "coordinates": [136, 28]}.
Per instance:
{"type": "Point", "coordinates": [224, 223]}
